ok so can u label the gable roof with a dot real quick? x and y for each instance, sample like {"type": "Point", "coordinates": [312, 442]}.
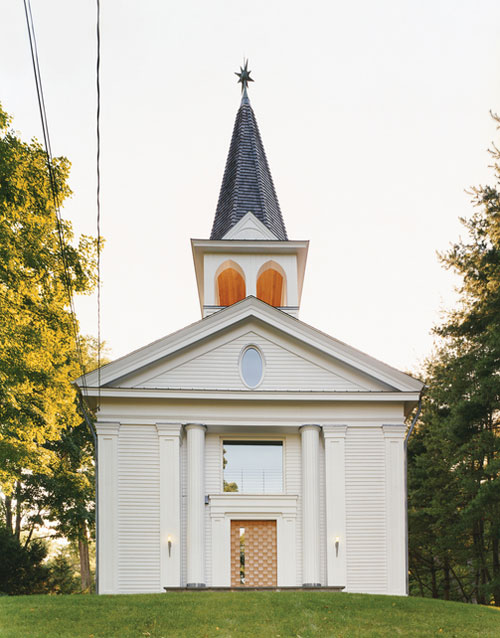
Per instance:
{"type": "Point", "coordinates": [247, 185]}
{"type": "Point", "coordinates": [245, 310]}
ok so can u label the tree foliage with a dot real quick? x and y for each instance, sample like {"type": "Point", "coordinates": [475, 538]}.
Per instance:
{"type": "Point", "coordinates": [21, 569]}
{"type": "Point", "coordinates": [37, 333]}
{"type": "Point", "coordinates": [46, 449]}
{"type": "Point", "coordinates": [60, 498]}
{"type": "Point", "coordinates": [454, 458]}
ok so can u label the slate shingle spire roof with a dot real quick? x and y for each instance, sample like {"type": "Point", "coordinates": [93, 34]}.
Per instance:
{"type": "Point", "coordinates": [247, 184]}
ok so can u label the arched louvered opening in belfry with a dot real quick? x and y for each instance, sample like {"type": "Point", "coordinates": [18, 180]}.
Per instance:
{"type": "Point", "coordinates": [271, 284]}
{"type": "Point", "coordinates": [230, 283]}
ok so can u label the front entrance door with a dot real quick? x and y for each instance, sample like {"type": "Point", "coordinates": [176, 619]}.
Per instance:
{"type": "Point", "coordinates": [253, 554]}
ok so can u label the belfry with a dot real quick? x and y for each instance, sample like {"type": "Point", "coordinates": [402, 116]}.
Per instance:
{"type": "Point", "coordinates": [248, 253]}
{"type": "Point", "coordinates": [250, 450]}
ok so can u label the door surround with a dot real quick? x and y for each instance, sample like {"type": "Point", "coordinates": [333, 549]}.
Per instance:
{"type": "Point", "coordinates": [282, 508]}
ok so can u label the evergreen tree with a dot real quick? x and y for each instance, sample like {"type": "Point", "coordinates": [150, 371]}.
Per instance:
{"type": "Point", "coordinates": [22, 570]}
{"type": "Point", "coordinates": [454, 461]}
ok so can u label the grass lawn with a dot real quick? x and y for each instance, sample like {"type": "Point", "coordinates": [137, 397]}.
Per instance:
{"type": "Point", "coordinates": [242, 615]}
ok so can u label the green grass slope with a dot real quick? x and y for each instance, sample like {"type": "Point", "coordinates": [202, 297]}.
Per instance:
{"type": "Point", "coordinates": [242, 615]}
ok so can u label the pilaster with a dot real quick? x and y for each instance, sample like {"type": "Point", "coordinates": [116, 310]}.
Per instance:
{"type": "Point", "coordinates": [336, 546]}
{"type": "Point", "coordinates": [394, 436]}
{"type": "Point", "coordinates": [107, 541]}
{"type": "Point", "coordinates": [169, 437]}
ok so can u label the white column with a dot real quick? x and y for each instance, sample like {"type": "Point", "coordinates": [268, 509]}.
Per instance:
{"type": "Point", "coordinates": [195, 505]}
{"type": "Point", "coordinates": [395, 508]}
{"type": "Point", "coordinates": [169, 435]}
{"type": "Point", "coordinates": [310, 505]}
{"type": "Point", "coordinates": [335, 505]}
{"type": "Point", "coordinates": [107, 542]}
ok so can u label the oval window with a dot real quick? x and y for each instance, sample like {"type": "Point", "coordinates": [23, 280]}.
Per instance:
{"type": "Point", "coordinates": [251, 367]}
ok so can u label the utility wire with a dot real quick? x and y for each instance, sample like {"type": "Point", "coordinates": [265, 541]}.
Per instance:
{"type": "Point", "coordinates": [59, 224]}
{"type": "Point", "coordinates": [98, 198]}
{"type": "Point", "coordinates": [98, 195]}
{"type": "Point", "coordinates": [50, 167]}
{"type": "Point", "coordinates": [54, 192]}
{"type": "Point", "coordinates": [53, 186]}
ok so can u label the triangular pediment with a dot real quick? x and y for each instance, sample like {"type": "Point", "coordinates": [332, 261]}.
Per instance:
{"type": "Point", "coordinates": [296, 357]}
{"type": "Point", "coordinates": [216, 366]}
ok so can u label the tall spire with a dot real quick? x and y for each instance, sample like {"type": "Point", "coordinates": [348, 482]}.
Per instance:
{"type": "Point", "coordinates": [247, 185]}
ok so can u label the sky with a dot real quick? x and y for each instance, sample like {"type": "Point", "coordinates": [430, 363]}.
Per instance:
{"type": "Point", "coordinates": [374, 117]}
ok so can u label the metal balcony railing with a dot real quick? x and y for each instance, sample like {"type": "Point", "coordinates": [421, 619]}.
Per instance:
{"type": "Point", "coordinates": [253, 481]}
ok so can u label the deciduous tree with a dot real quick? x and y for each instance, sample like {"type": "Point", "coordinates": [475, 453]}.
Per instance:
{"type": "Point", "coordinates": [39, 266]}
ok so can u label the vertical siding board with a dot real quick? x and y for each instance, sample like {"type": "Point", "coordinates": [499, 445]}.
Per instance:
{"type": "Point", "coordinates": [138, 510]}
{"type": "Point", "coordinates": [365, 510]}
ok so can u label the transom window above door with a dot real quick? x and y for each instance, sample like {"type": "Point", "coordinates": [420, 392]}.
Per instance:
{"type": "Point", "coordinates": [252, 467]}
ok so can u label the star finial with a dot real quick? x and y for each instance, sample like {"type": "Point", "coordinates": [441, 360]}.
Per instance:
{"type": "Point", "coordinates": [244, 76]}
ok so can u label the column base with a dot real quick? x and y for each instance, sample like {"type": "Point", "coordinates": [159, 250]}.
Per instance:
{"type": "Point", "coordinates": [310, 585]}
{"type": "Point", "coordinates": [195, 585]}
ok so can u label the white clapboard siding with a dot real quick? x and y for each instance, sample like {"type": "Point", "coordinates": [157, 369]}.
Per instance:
{"type": "Point", "coordinates": [138, 534]}
{"type": "Point", "coordinates": [365, 510]}
{"type": "Point", "coordinates": [213, 482]}
{"type": "Point", "coordinates": [219, 369]}
{"type": "Point", "coordinates": [293, 485]}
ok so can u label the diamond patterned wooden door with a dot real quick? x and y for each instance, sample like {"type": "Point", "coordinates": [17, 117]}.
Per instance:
{"type": "Point", "coordinates": [253, 554]}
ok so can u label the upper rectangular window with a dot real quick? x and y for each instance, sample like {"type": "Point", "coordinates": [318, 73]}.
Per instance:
{"type": "Point", "coordinates": [253, 467]}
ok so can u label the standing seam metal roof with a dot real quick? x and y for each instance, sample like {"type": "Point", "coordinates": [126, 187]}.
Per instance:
{"type": "Point", "coordinates": [247, 184]}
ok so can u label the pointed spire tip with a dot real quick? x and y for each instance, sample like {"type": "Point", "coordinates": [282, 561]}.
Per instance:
{"type": "Point", "coordinates": [244, 98]}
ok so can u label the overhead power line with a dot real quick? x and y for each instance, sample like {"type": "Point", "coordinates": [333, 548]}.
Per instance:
{"type": "Point", "coordinates": [48, 150]}
{"type": "Point", "coordinates": [54, 191]}
{"type": "Point", "coordinates": [98, 195]}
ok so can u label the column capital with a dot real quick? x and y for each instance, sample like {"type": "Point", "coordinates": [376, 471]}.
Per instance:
{"type": "Point", "coordinates": [310, 426]}
{"type": "Point", "coordinates": [394, 431]}
{"type": "Point", "coordinates": [110, 428]}
{"type": "Point", "coordinates": [334, 430]}
{"type": "Point", "coordinates": [169, 429]}
{"type": "Point", "coordinates": [195, 426]}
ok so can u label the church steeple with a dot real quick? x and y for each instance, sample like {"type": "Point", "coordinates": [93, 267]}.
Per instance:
{"type": "Point", "coordinates": [248, 253]}
{"type": "Point", "coordinates": [247, 185]}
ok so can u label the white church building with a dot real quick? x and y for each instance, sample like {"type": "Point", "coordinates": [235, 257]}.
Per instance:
{"type": "Point", "coordinates": [250, 449]}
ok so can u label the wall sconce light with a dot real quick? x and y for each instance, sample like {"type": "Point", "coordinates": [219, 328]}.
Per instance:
{"type": "Point", "coordinates": [169, 542]}
{"type": "Point", "coordinates": [337, 543]}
